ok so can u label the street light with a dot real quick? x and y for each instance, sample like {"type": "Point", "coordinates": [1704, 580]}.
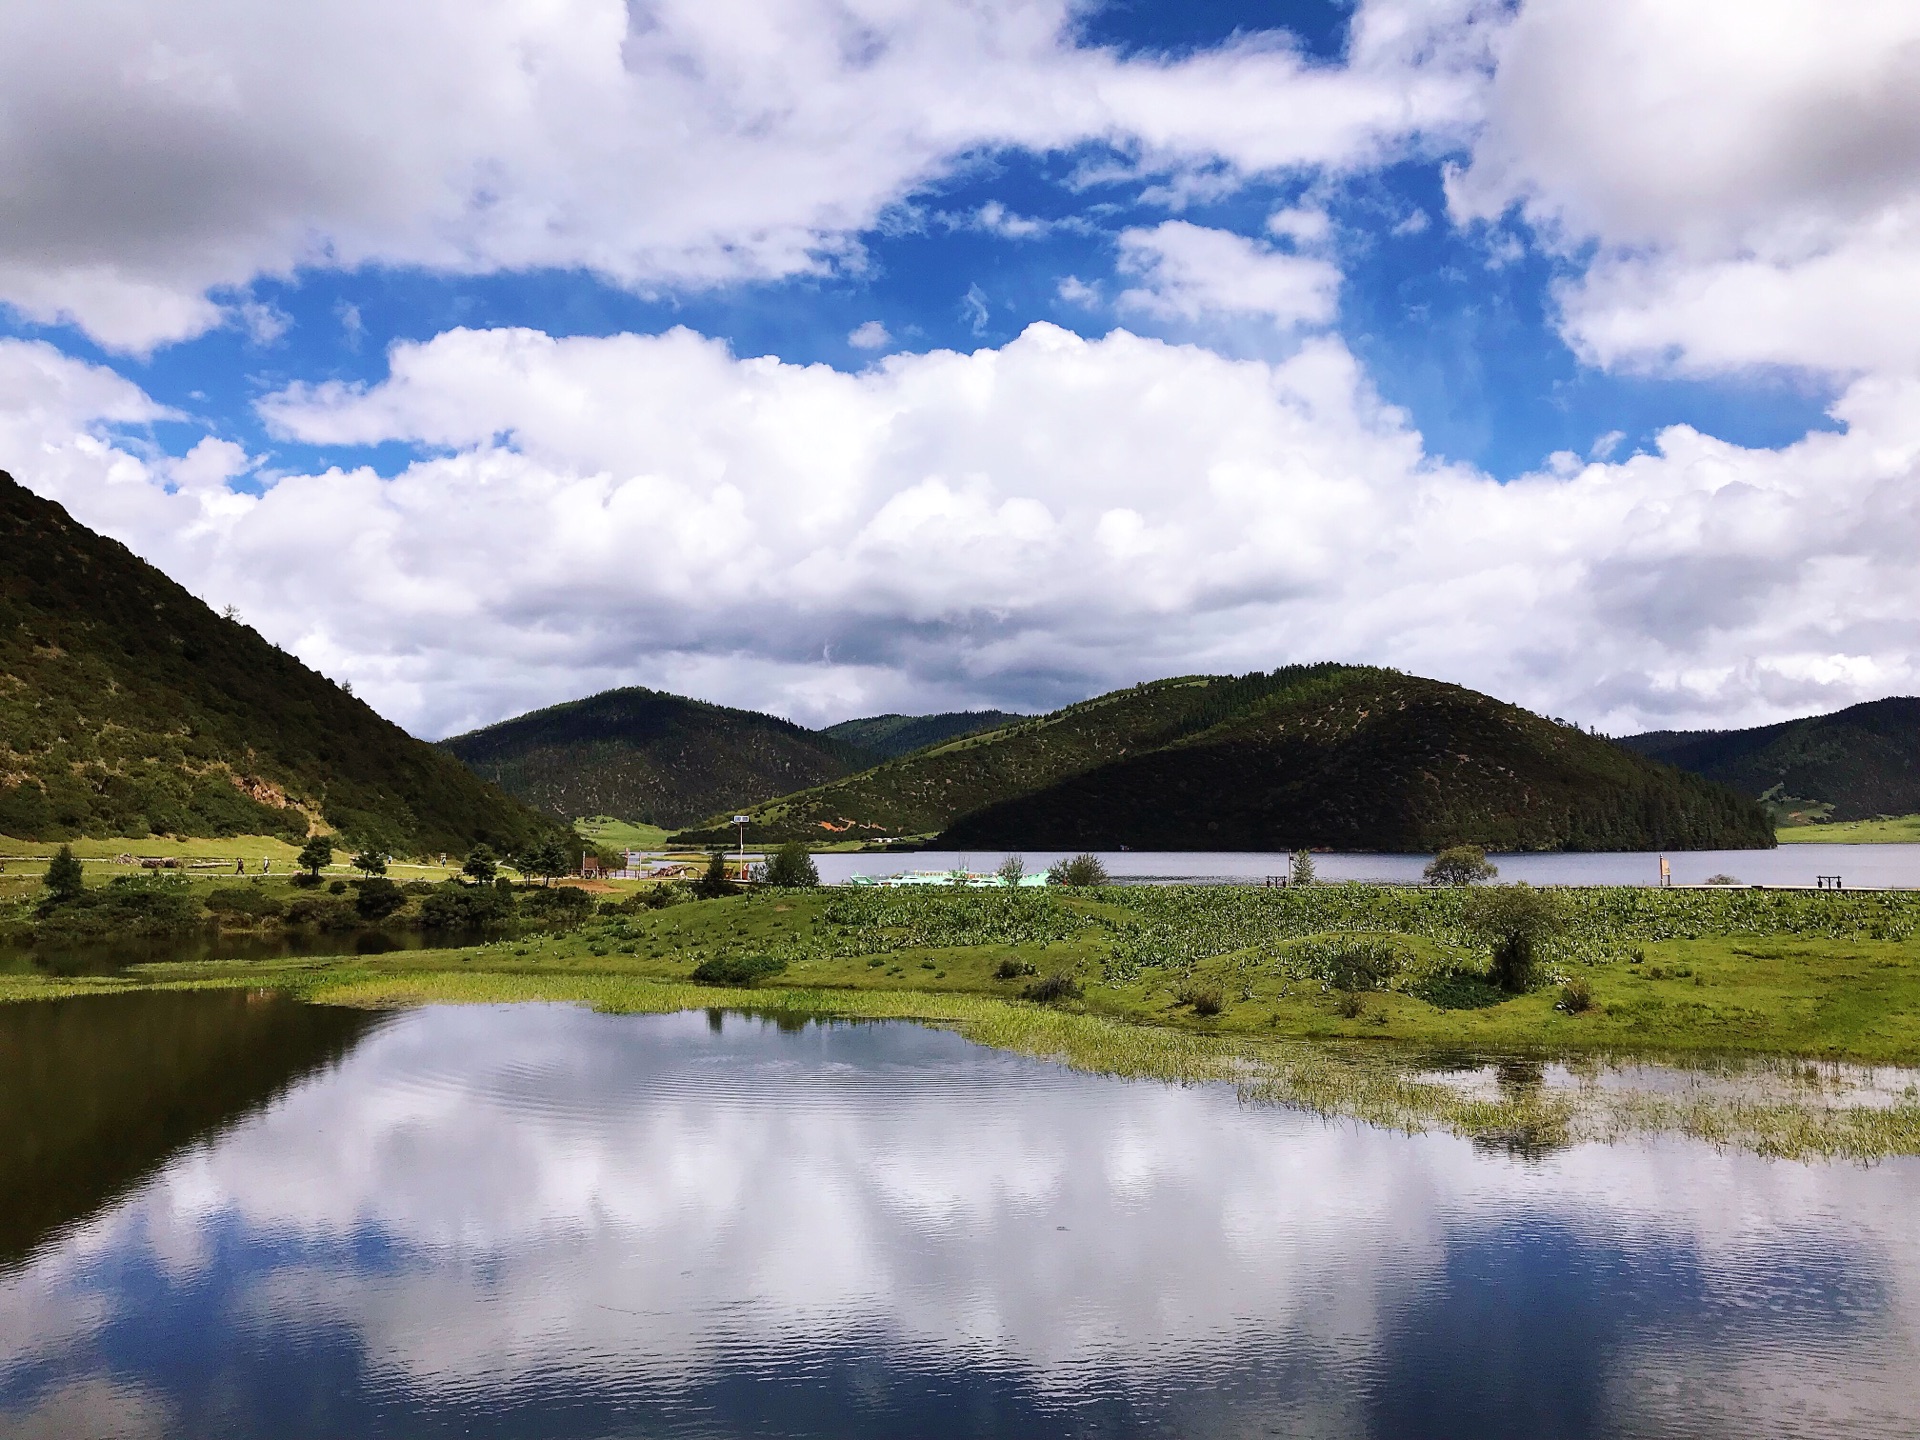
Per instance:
{"type": "Point", "coordinates": [741, 821]}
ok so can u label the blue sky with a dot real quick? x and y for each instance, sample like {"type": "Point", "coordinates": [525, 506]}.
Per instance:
{"type": "Point", "coordinates": [1445, 208]}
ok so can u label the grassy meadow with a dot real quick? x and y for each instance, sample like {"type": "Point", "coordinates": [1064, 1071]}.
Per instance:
{"type": "Point", "coordinates": [1343, 998]}
{"type": "Point", "coordinates": [1886, 830]}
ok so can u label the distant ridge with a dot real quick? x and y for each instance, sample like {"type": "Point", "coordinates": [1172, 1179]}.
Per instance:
{"type": "Point", "coordinates": [1852, 764]}
{"type": "Point", "coordinates": [128, 707]}
{"type": "Point", "coordinates": [890, 736]}
{"type": "Point", "coordinates": [647, 756]}
{"type": "Point", "coordinates": [1335, 755]}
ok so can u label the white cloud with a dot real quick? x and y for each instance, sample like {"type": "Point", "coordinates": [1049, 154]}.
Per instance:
{"type": "Point", "coordinates": [1188, 272]}
{"type": "Point", "coordinates": [1024, 524]}
{"type": "Point", "coordinates": [871, 335]}
{"type": "Point", "coordinates": [156, 152]}
{"type": "Point", "coordinates": [1750, 174]}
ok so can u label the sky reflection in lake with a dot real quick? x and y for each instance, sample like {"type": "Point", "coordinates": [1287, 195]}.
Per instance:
{"type": "Point", "coordinates": [540, 1221]}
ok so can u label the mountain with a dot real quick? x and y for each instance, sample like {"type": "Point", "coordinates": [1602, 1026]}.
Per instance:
{"type": "Point", "coordinates": [128, 707]}
{"type": "Point", "coordinates": [1310, 755]}
{"type": "Point", "coordinates": [654, 758]}
{"type": "Point", "coordinates": [1851, 765]}
{"type": "Point", "coordinates": [891, 736]}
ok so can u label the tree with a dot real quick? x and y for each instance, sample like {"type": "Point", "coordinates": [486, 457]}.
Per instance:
{"type": "Point", "coordinates": [545, 858]}
{"type": "Point", "coordinates": [1300, 868]}
{"type": "Point", "coordinates": [1459, 865]}
{"type": "Point", "coordinates": [714, 884]}
{"type": "Point", "coordinates": [315, 855]}
{"type": "Point", "coordinates": [1011, 869]}
{"type": "Point", "coordinates": [65, 879]}
{"type": "Point", "coordinates": [1080, 870]}
{"type": "Point", "coordinates": [792, 866]}
{"type": "Point", "coordinates": [481, 866]}
{"type": "Point", "coordinates": [370, 862]}
{"type": "Point", "coordinates": [1515, 921]}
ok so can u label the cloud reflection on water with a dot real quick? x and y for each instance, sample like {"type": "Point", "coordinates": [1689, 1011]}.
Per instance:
{"type": "Point", "coordinates": [509, 1210]}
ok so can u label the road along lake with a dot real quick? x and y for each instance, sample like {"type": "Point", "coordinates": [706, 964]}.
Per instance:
{"type": "Point", "coordinates": [230, 1213]}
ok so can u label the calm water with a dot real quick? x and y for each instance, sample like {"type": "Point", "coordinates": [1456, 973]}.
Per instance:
{"type": "Point", "coordinates": [537, 1221]}
{"type": "Point", "coordinates": [1788, 865]}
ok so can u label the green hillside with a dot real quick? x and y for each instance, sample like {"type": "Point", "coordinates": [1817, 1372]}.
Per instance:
{"type": "Point", "coordinates": [1321, 755]}
{"type": "Point", "coordinates": [127, 707]}
{"type": "Point", "coordinates": [655, 758]}
{"type": "Point", "coordinates": [1854, 764]}
{"type": "Point", "coordinates": [891, 736]}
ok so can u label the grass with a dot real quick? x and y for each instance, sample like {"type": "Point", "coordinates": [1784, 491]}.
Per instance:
{"type": "Point", "coordinates": [604, 830]}
{"type": "Point", "coordinates": [1886, 830]}
{"type": "Point", "coordinates": [1744, 1008]}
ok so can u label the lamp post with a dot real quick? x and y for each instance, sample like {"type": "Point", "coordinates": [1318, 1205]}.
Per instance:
{"type": "Point", "coordinates": [741, 821]}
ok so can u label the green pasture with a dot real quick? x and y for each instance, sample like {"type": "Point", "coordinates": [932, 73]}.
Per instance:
{"type": "Point", "coordinates": [1886, 830]}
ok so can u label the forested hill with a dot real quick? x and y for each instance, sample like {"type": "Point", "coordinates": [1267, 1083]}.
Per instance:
{"type": "Point", "coordinates": [128, 707]}
{"type": "Point", "coordinates": [1851, 765]}
{"type": "Point", "coordinates": [655, 758]}
{"type": "Point", "coordinates": [1321, 755]}
{"type": "Point", "coordinates": [887, 737]}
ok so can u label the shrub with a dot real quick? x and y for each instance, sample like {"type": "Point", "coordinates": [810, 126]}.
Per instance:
{"type": "Point", "coordinates": [564, 904]}
{"type": "Point", "coordinates": [322, 914]}
{"type": "Point", "coordinates": [377, 899]}
{"type": "Point", "coordinates": [1012, 870]}
{"type": "Point", "coordinates": [1081, 870]}
{"type": "Point", "coordinates": [657, 896]}
{"type": "Point", "coordinates": [128, 905]}
{"type": "Point", "coordinates": [1349, 1006]}
{"type": "Point", "coordinates": [1058, 986]}
{"type": "Point", "coordinates": [1575, 996]}
{"type": "Point", "coordinates": [791, 867]}
{"type": "Point", "coordinates": [1459, 865]}
{"type": "Point", "coordinates": [454, 906]}
{"type": "Point", "coordinates": [1721, 880]}
{"type": "Point", "coordinates": [1205, 999]}
{"type": "Point", "coordinates": [1514, 921]}
{"type": "Point", "coordinates": [336, 887]}
{"type": "Point", "coordinates": [245, 900]}
{"type": "Point", "coordinates": [1360, 964]}
{"type": "Point", "coordinates": [305, 881]}
{"type": "Point", "coordinates": [1012, 969]}
{"type": "Point", "coordinates": [737, 969]}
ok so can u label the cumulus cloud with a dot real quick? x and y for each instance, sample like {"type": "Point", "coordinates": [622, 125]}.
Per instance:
{"type": "Point", "coordinates": [156, 153]}
{"type": "Point", "coordinates": [1188, 272]}
{"type": "Point", "coordinates": [1024, 525]}
{"type": "Point", "coordinates": [1750, 175]}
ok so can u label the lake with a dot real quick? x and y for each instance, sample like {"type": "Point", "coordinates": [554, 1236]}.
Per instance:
{"type": "Point", "coordinates": [245, 1217]}
{"type": "Point", "coordinates": [1857, 865]}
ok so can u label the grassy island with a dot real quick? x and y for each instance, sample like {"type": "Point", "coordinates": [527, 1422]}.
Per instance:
{"type": "Point", "coordinates": [1782, 1007]}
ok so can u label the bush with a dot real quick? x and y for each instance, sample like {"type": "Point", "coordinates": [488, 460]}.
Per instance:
{"type": "Point", "coordinates": [305, 881]}
{"type": "Point", "coordinates": [245, 900]}
{"type": "Point", "coordinates": [454, 906]}
{"type": "Point", "coordinates": [564, 904]}
{"type": "Point", "coordinates": [1361, 964]}
{"type": "Point", "coordinates": [1058, 986]}
{"type": "Point", "coordinates": [1721, 880]}
{"type": "Point", "coordinates": [1081, 870]}
{"type": "Point", "coordinates": [792, 867]}
{"type": "Point", "coordinates": [737, 969]}
{"type": "Point", "coordinates": [1459, 865]}
{"type": "Point", "coordinates": [657, 896]}
{"type": "Point", "coordinates": [128, 905]}
{"type": "Point", "coordinates": [336, 887]}
{"type": "Point", "coordinates": [1012, 969]}
{"type": "Point", "coordinates": [1514, 921]}
{"type": "Point", "coordinates": [322, 914]}
{"type": "Point", "coordinates": [377, 899]}
{"type": "Point", "coordinates": [1575, 996]}
{"type": "Point", "coordinates": [1205, 999]}
{"type": "Point", "coordinates": [1349, 1006]}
